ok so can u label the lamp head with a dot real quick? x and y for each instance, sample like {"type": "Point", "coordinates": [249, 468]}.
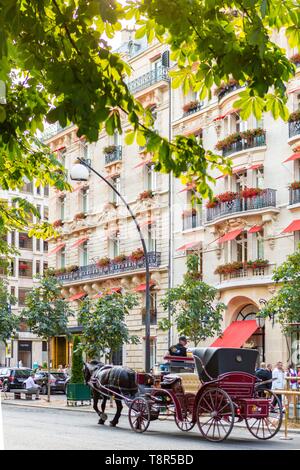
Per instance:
{"type": "Point", "coordinates": [79, 172]}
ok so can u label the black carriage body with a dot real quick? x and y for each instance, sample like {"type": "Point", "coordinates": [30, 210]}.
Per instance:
{"type": "Point", "coordinates": [211, 363]}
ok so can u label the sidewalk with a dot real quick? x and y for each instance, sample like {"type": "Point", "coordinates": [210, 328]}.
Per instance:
{"type": "Point", "coordinates": [59, 402]}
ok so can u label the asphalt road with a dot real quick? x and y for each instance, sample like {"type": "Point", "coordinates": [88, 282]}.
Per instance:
{"type": "Point", "coordinates": [26, 428]}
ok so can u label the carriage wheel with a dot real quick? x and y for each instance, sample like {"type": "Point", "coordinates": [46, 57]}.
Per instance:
{"type": "Point", "coordinates": [139, 415]}
{"type": "Point", "coordinates": [215, 414]}
{"type": "Point", "coordinates": [186, 424]}
{"type": "Point", "coordinates": [267, 427]}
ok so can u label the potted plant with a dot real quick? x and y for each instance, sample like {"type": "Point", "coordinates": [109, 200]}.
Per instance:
{"type": "Point", "coordinates": [295, 116]}
{"type": "Point", "coordinates": [190, 106]}
{"type": "Point", "coordinates": [103, 262]}
{"type": "Point", "coordinates": [77, 391]}
{"type": "Point", "coordinates": [295, 185]}
{"type": "Point", "coordinates": [79, 216]}
{"type": "Point", "coordinates": [251, 192]}
{"type": "Point", "coordinates": [109, 148]}
{"type": "Point", "coordinates": [228, 196]}
{"type": "Point", "coordinates": [137, 255]}
{"type": "Point", "coordinates": [224, 87]}
{"type": "Point", "coordinates": [57, 223]}
{"type": "Point", "coordinates": [295, 59]}
{"type": "Point", "coordinates": [260, 263]}
{"type": "Point", "coordinates": [71, 269]}
{"type": "Point", "coordinates": [120, 258]}
{"type": "Point", "coordinates": [146, 194]}
{"type": "Point", "coordinates": [213, 203]}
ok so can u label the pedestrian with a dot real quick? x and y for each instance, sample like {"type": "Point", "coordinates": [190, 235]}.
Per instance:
{"type": "Point", "coordinates": [60, 368]}
{"type": "Point", "coordinates": [31, 386]}
{"type": "Point", "coordinates": [20, 364]}
{"type": "Point", "coordinates": [278, 377]}
{"type": "Point", "coordinates": [66, 369]}
{"type": "Point", "coordinates": [179, 349]}
{"type": "Point", "coordinates": [291, 372]}
{"type": "Point", "coordinates": [264, 374]}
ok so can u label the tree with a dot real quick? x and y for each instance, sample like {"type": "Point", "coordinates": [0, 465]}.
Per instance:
{"type": "Point", "coordinates": [8, 321]}
{"type": "Point", "coordinates": [77, 376]}
{"type": "Point", "coordinates": [104, 324]}
{"type": "Point", "coordinates": [193, 309]}
{"type": "Point", "coordinates": [284, 304]}
{"type": "Point", "coordinates": [57, 66]}
{"type": "Point", "coordinates": [47, 313]}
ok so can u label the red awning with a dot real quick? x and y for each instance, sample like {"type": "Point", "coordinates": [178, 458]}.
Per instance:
{"type": "Point", "coordinates": [295, 156]}
{"type": "Point", "coordinates": [293, 227]}
{"type": "Point", "coordinates": [77, 296]}
{"type": "Point", "coordinates": [256, 166]}
{"type": "Point", "coordinates": [238, 170]}
{"type": "Point", "coordinates": [79, 242]}
{"type": "Point", "coordinates": [236, 334]}
{"type": "Point", "coordinates": [57, 249]}
{"type": "Point", "coordinates": [143, 163]}
{"type": "Point", "coordinates": [187, 246]}
{"type": "Point", "coordinates": [142, 287]}
{"type": "Point", "coordinates": [255, 229]}
{"type": "Point", "coordinates": [230, 236]}
{"type": "Point", "coordinates": [59, 148]}
{"type": "Point", "coordinates": [218, 118]}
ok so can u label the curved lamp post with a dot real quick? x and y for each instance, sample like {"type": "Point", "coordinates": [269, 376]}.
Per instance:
{"type": "Point", "coordinates": [81, 172]}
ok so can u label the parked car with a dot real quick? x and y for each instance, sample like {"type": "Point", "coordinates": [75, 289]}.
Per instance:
{"type": "Point", "coordinates": [13, 377]}
{"type": "Point", "coordinates": [58, 381]}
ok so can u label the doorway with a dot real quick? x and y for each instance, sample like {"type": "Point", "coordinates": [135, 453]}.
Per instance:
{"type": "Point", "coordinates": [25, 353]}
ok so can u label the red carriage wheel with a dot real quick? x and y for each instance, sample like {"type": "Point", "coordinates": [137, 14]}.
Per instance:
{"type": "Point", "coordinates": [139, 415]}
{"type": "Point", "coordinates": [266, 427]}
{"type": "Point", "coordinates": [215, 414]}
{"type": "Point", "coordinates": [187, 423]}
{"type": "Point", "coordinates": [187, 405]}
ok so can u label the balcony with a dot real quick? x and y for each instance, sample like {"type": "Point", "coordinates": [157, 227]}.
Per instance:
{"type": "Point", "coordinates": [245, 144]}
{"type": "Point", "coordinates": [193, 109]}
{"type": "Point", "coordinates": [190, 221]}
{"type": "Point", "coordinates": [294, 128]}
{"type": "Point", "coordinates": [294, 196]}
{"type": "Point", "coordinates": [52, 130]}
{"type": "Point", "coordinates": [247, 275]}
{"type": "Point", "coordinates": [92, 271]}
{"type": "Point", "coordinates": [228, 89]}
{"type": "Point", "coordinates": [148, 79]}
{"type": "Point", "coordinates": [113, 154]}
{"type": "Point", "coordinates": [264, 200]}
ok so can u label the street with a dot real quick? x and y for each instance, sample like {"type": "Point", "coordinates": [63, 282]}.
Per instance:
{"type": "Point", "coordinates": [35, 428]}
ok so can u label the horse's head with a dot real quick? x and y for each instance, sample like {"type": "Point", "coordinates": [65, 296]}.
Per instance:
{"type": "Point", "coordinates": [89, 368]}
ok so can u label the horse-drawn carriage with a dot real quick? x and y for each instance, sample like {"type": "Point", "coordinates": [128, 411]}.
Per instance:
{"type": "Point", "coordinates": [226, 394]}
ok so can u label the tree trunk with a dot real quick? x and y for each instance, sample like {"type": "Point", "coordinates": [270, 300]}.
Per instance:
{"type": "Point", "coordinates": [49, 354]}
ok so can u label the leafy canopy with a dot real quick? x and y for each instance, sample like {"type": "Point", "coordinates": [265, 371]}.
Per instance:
{"type": "Point", "coordinates": [9, 322]}
{"type": "Point", "coordinates": [193, 308]}
{"type": "Point", "coordinates": [57, 66]}
{"type": "Point", "coordinates": [104, 323]}
{"type": "Point", "coordinates": [46, 312]}
{"type": "Point", "coordinates": [284, 305]}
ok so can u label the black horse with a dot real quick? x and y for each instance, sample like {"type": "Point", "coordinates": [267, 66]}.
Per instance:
{"type": "Point", "coordinates": [117, 379]}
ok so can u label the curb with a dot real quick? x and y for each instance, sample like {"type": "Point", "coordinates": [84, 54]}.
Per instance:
{"type": "Point", "coordinates": [109, 412]}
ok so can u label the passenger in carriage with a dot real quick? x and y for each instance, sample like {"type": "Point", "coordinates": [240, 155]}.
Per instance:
{"type": "Point", "coordinates": [180, 348]}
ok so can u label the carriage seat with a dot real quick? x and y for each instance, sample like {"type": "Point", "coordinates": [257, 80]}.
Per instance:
{"type": "Point", "coordinates": [190, 382]}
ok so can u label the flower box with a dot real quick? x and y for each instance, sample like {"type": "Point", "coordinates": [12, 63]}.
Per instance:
{"type": "Point", "coordinates": [72, 268]}
{"type": "Point", "coordinates": [251, 192]}
{"type": "Point", "coordinates": [103, 262]}
{"type": "Point", "coordinates": [146, 195]}
{"type": "Point", "coordinates": [226, 86]}
{"type": "Point", "coordinates": [294, 116]}
{"type": "Point", "coordinates": [78, 393]}
{"type": "Point", "coordinates": [23, 266]}
{"type": "Point", "coordinates": [110, 149]}
{"type": "Point", "coordinates": [295, 59]}
{"type": "Point", "coordinates": [258, 263]}
{"type": "Point", "coordinates": [295, 185]}
{"type": "Point", "coordinates": [57, 223]}
{"type": "Point", "coordinates": [79, 216]}
{"type": "Point", "coordinates": [137, 255]}
{"type": "Point", "coordinates": [190, 106]}
{"type": "Point", "coordinates": [120, 258]}
{"type": "Point", "coordinates": [229, 267]}
{"type": "Point", "coordinates": [227, 197]}
{"type": "Point", "coordinates": [237, 136]}
{"type": "Point", "coordinates": [213, 203]}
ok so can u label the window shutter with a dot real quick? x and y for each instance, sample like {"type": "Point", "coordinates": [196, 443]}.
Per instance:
{"type": "Point", "coordinates": [165, 59]}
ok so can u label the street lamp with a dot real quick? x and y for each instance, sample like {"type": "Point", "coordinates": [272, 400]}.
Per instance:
{"type": "Point", "coordinates": [260, 321]}
{"type": "Point", "coordinates": [81, 172]}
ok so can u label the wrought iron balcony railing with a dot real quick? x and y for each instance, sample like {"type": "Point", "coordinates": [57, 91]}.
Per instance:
{"type": "Point", "coordinates": [194, 110]}
{"type": "Point", "coordinates": [52, 130]}
{"type": "Point", "coordinates": [148, 79]}
{"type": "Point", "coordinates": [192, 221]}
{"type": "Point", "coordinates": [244, 144]}
{"type": "Point", "coordinates": [294, 128]}
{"type": "Point", "coordinates": [113, 156]}
{"type": "Point", "coordinates": [93, 271]}
{"type": "Point", "coordinates": [294, 196]}
{"type": "Point", "coordinates": [228, 89]}
{"type": "Point", "coordinates": [264, 200]}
